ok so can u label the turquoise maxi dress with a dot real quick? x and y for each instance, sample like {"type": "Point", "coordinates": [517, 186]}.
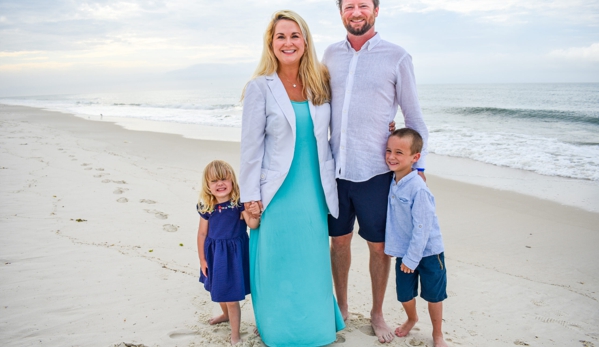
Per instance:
{"type": "Point", "coordinates": [290, 264]}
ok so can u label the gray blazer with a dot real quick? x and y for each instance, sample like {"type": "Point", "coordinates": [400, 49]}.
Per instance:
{"type": "Point", "coordinates": [268, 142]}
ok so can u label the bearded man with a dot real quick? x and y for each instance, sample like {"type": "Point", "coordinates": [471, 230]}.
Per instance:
{"type": "Point", "coordinates": [370, 79]}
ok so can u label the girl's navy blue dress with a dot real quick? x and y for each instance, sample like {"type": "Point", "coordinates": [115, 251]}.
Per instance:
{"type": "Point", "coordinates": [227, 254]}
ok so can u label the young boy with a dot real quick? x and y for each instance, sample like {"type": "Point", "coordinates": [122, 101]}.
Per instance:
{"type": "Point", "coordinates": [413, 235]}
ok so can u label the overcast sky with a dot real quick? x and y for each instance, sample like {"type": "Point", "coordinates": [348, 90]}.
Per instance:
{"type": "Point", "coordinates": [56, 46]}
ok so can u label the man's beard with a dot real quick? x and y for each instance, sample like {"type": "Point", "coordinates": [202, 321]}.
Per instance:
{"type": "Point", "coordinates": [359, 31]}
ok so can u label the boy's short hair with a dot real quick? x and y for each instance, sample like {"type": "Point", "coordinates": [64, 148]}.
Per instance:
{"type": "Point", "coordinates": [417, 142]}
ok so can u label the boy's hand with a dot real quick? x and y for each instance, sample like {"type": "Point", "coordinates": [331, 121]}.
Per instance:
{"type": "Point", "coordinates": [406, 269]}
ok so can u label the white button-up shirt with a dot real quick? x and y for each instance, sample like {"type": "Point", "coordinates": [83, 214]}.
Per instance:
{"type": "Point", "coordinates": [367, 87]}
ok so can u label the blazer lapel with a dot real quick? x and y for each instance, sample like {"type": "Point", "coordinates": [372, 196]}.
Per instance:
{"type": "Point", "coordinates": [278, 91]}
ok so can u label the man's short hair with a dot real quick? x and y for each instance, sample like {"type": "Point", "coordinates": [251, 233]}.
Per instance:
{"type": "Point", "coordinates": [417, 143]}
{"type": "Point", "coordinates": [374, 2]}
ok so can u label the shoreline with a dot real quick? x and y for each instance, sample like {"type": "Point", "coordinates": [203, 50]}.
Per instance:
{"type": "Point", "coordinates": [98, 231]}
{"type": "Point", "coordinates": [579, 193]}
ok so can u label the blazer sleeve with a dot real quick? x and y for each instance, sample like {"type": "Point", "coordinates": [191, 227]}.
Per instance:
{"type": "Point", "coordinates": [253, 125]}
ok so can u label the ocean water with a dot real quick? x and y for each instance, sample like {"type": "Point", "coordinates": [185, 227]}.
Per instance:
{"type": "Point", "coordinates": [549, 129]}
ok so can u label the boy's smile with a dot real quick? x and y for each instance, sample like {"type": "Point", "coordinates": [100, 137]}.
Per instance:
{"type": "Point", "coordinates": [399, 157]}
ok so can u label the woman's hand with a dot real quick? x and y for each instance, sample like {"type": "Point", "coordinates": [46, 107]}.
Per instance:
{"type": "Point", "coordinates": [254, 208]}
{"type": "Point", "coordinates": [392, 126]}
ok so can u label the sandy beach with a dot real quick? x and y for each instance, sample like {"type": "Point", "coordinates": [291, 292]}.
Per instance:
{"type": "Point", "coordinates": [98, 248]}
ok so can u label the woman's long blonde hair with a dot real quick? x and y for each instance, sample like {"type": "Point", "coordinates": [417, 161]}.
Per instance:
{"type": "Point", "coordinates": [313, 75]}
{"type": "Point", "coordinates": [216, 170]}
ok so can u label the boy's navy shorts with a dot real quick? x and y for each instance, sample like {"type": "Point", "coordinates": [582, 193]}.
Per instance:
{"type": "Point", "coordinates": [368, 202]}
{"type": "Point", "coordinates": [433, 280]}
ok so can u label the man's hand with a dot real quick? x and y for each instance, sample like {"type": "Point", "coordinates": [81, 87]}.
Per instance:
{"type": "Point", "coordinates": [421, 174]}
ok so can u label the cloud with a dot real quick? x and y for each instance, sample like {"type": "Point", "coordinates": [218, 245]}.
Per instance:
{"type": "Point", "coordinates": [580, 11]}
{"type": "Point", "coordinates": [588, 54]}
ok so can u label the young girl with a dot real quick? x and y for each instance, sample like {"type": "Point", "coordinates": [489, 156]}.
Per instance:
{"type": "Point", "coordinates": [223, 244]}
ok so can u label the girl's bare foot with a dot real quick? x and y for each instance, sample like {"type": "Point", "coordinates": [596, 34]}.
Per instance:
{"type": "Point", "coordinates": [439, 341]}
{"type": "Point", "coordinates": [405, 328]}
{"type": "Point", "coordinates": [235, 341]}
{"type": "Point", "coordinates": [219, 319]}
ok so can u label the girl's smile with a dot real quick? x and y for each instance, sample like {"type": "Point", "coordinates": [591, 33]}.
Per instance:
{"type": "Point", "coordinates": [221, 189]}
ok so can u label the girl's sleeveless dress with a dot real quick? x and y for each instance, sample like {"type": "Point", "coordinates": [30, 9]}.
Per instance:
{"type": "Point", "coordinates": [290, 264]}
{"type": "Point", "coordinates": [227, 254]}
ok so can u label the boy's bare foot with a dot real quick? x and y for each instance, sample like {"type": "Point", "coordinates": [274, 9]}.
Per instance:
{"type": "Point", "coordinates": [218, 319]}
{"type": "Point", "coordinates": [439, 341]}
{"type": "Point", "coordinates": [405, 328]}
{"type": "Point", "coordinates": [382, 331]}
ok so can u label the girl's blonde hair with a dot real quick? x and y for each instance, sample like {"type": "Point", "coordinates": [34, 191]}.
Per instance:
{"type": "Point", "coordinates": [313, 74]}
{"type": "Point", "coordinates": [216, 170]}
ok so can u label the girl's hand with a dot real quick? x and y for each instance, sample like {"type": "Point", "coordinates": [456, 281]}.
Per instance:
{"type": "Point", "coordinates": [204, 268]}
{"type": "Point", "coordinates": [406, 269]}
{"type": "Point", "coordinates": [254, 208]}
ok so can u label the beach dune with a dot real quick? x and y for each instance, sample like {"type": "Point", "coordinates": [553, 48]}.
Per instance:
{"type": "Point", "coordinates": [98, 248]}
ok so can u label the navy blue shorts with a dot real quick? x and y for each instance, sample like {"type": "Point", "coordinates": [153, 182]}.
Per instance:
{"type": "Point", "coordinates": [368, 202]}
{"type": "Point", "coordinates": [433, 280]}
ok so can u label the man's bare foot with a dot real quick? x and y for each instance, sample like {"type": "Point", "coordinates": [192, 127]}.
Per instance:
{"type": "Point", "coordinates": [382, 331]}
{"type": "Point", "coordinates": [344, 313]}
{"type": "Point", "coordinates": [218, 319]}
{"type": "Point", "coordinates": [405, 328]}
{"type": "Point", "coordinates": [439, 341]}
{"type": "Point", "coordinates": [256, 332]}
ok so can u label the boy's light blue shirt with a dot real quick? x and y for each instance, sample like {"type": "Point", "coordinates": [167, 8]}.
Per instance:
{"type": "Point", "coordinates": [412, 230]}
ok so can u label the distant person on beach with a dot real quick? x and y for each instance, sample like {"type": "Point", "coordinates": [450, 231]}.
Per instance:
{"type": "Point", "coordinates": [287, 168]}
{"type": "Point", "coordinates": [370, 78]}
{"type": "Point", "coordinates": [413, 235]}
{"type": "Point", "coordinates": [223, 244]}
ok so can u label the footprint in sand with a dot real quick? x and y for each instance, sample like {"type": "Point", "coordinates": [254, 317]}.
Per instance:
{"type": "Point", "coordinates": [146, 201]}
{"type": "Point", "coordinates": [415, 343]}
{"type": "Point", "coordinates": [586, 343]}
{"type": "Point", "coordinates": [85, 164]}
{"type": "Point", "coordinates": [88, 168]}
{"type": "Point", "coordinates": [520, 343]}
{"type": "Point", "coordinates": [158, 214]}
{"type": "Point", "coordinates": [122, 200]}
{"type": "Point", "coordinates": [340, 339]}
{"type": "Point", "coordinates": [183, 333]}
{"type": "Point", "coordinates": [106, 181]}
{"type": "Point", "coordinates": [71, 156]}
{"type": "Point", "coordinates": [102, 175]}
{"type": "Point", "coordinates": [170, 228]}
{"type": "Point", "coordinates": [120, 190]}
{"type": "Point", "coordinates": [99, 169]}
{"type": "Point", "coordinates": [120, 182]}
{"type": "Point", "coordinates": [367, 329]}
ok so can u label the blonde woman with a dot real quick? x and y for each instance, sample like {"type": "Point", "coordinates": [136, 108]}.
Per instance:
{"type": "Point", "coordinates": [287, 167]}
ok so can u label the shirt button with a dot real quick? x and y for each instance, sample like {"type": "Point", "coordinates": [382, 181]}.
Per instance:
{"type": "Point", "coordinates": [392, 196]}
{"type": "Point", "coordinates": [263, 176]}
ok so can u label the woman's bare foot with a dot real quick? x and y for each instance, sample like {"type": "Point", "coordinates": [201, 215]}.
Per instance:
{"type": "Point", "coordinates": [381, 329]}
{"type": "Point", "coordinates": [439, 341]}
{"type": "Point", "coordinates": [405, 328]}
{"type": "Point", "coordinates": [219, 319]}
